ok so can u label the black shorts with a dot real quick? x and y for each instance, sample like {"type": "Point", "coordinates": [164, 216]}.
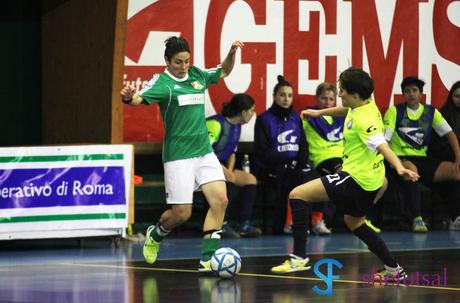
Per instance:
{"type": "Point", "coordinates": [426, 167]}
{"type": "Point", "coordinates": [329, 166]}
{"type": "Point", "coordinates": [342, 188]}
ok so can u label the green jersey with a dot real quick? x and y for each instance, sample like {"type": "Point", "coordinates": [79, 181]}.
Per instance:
{"type": "Point", "coordinates": [399, 146]}
{"type": "Point", "coordinates": [363, 133]}
{"type": "Point", "coordinates": [181, 103]}
{"type": "Point", "coordinates": [320, 149]}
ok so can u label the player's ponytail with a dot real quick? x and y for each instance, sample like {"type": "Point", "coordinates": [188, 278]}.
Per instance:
{"type": "Point", "coordinates": [236, 105]}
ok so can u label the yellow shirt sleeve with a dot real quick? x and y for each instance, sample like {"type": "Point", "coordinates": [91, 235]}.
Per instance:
{"type": "Point", "coordinates": [389, 120]}
{"type": "Point", "coordinates": [214, 129]}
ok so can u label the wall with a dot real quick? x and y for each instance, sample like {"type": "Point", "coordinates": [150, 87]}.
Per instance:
{"type": "Point", "coordinates": [20, 78]}
{"type": "Point", "coordinates": [82, 57]}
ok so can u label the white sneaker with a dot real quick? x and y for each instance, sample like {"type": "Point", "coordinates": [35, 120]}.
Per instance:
{"type": "Point", "coordinates": [455, 225]}
{"type": "Point", "coordinates": [287, 229]}
{"type": "Point", "coordinates": [320, 228]}
{"type": "Point", "coordinates": [390, 274]}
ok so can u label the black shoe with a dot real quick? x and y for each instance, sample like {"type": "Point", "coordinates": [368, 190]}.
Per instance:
{"type": "Point", "coordinates": [249, 231]}
{"type": "Point", "coordinates": [228, 232]}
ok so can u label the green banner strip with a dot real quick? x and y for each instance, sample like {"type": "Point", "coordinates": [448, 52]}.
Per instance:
{"type": "Point", "coordinates": [54, 158]}
{"type": "Point", "coordinates": [69, 217]}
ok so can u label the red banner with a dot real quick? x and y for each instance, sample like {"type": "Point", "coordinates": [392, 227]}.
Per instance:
{"type": "Point", "coordinates": [307, 41]}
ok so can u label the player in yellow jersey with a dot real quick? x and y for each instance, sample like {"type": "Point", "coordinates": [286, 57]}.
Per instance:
{"type": "Point", "coordinates": [362, 180]}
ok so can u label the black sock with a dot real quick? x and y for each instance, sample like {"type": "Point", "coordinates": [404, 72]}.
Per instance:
{"type": "Point", "coordinates": [247, 199]}
{"type": "Point", "coordinates": [412, 196]}
{"type": "Point", "coordinates": [231, 207]}
{"type": "Point", "coordinates": [375, 244]}
{"type": "Point", "coordinates": [455, 199]}
{"type": "Point", "coordinates": [300, 222]}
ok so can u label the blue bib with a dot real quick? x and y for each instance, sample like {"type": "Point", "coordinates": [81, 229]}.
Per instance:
{"type": "Point", "coordinates": [330, 132]}
{"type": "Point", "coordinates": [417, 133]}
{"type": "Point", "coordinates": [228, 139]}
{"type": "Point", "coordinates": [284, 135]}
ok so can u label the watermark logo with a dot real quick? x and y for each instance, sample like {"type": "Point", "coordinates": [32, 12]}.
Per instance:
{"type": "Point", "coordinates": [329, 278]}
{"type": "Point", "coordinates": [419, 279]}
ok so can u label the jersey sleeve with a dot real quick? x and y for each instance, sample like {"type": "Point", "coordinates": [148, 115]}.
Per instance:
{"type": "Point", "coordinates": [440, 124]}
{"type": "Point", "coordinates": [305, 128]}
{"type": "Point", "coordinates": [371, 133]}
{"type": "Point", "coordinates": [214, 129]}
{"type": "Point", "coordinates": [389, 121]}
{"type": "Point", "coordinates": [211, 75]}
{"type": "Point", "coordinates": [153, 91]}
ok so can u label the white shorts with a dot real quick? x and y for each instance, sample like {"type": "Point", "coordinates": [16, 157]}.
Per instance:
{"type": "Point", "coordinates": [183, 177]}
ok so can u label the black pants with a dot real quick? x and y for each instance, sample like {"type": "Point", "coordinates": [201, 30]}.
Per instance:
{"type": "Point", "coordinates": [286, 179]}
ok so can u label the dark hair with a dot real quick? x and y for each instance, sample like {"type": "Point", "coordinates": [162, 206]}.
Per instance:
{"type": "Point", "coordinates": [325, 87]}
{"type": "Point", "coordinates": [356, 80]}
{"type": "Point", "coordinates": [449, 109]}
{"type": "Point", "coordinates": [411, 80]}
{"type": "Point", "coordinates": [281, 82]}
{"type": "Point", "coordinates": [237, 104]}
{"type": "Point", "coordinates": [175, 45]}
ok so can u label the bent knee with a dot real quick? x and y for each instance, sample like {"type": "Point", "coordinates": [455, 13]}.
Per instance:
{"type": "Point", "coordinates": [252, 180]}
{"type": "Point", "coordinates": [295, 194]}
{"type": "Point", "coordinates": [220, 202]}
{"type": "Point", "coordinates": [353, 222]}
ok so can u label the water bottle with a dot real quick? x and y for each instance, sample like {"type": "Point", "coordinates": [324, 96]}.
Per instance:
{"type": "Point", "coordinates": [245, 165]}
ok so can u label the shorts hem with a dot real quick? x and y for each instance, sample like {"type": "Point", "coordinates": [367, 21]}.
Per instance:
{"type": "Point", "coordinates": [190, 202]}
{"type": "Point", "coordinates": [210, 181]}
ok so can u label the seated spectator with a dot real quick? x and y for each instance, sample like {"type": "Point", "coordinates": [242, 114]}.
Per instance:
{"type": "Point", "coordinates": [408, 128]}
{"type": "Point", "coordinates": [440, 146]}
{"type": "Point", "coordinates": [224, 133]}
{"type": "Point", "coordinates": [281, 153]}
{"type": "Point", "coordinates": [324, 137]}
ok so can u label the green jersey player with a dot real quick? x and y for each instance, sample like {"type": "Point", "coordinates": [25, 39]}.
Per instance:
{"type": "Point", "coordinates": [362, 180]}
{"type": "Point", "coordinates": [188, 159]}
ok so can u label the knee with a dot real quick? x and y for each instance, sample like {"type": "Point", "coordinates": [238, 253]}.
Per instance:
{"type": "Point", "coordinates": [349, 224]}
{"type": "Point", "coordinates": [456, 174]}
{"type": "Point", "coordinates": [182, 214]}
{"type": "Point", "coordinates": [220, 203]}
{"type": "Point", "coordinates": [252, 180]}
{"type": "Point", "coordinates": [352, 222]}
{"type": "Point", "coordinates": [295, 194]}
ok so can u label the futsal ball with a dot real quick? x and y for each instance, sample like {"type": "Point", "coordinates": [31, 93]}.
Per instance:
{"type": "Point", "coordinates": [226, 262]}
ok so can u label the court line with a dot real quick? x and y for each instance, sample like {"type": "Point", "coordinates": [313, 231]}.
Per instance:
{"type": "Point", "coordinates": [255, 275]}
{"type": "Point", "coordinates": [345, 251]}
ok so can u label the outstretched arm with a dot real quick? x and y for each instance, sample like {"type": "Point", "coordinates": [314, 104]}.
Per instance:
{"type": "Point", "coordinates": [229, 61]}
{"type": "Point", "coordinates": [390, 156]}
{"type": "Point", "coordinates": [337, 111]}
{"type": "Point", "coordinates": [128, 96]}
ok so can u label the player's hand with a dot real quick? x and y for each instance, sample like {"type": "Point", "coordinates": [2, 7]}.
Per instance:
{"type": "Point", "coordinates": [235, 46]}
{"type": "Point", "coordinates": [127, 92]}
{"type": "Point", "coordinates": [309, 113]}
{"type": "Point", "coordinates": [408, 174]}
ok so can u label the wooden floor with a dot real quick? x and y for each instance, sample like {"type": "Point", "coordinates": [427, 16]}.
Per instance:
{"type": "Point", "coordinates": [99, 272]}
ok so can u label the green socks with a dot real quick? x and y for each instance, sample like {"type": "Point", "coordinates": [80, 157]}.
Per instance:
{"type": "Point", "coordinates": [209, 247]}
